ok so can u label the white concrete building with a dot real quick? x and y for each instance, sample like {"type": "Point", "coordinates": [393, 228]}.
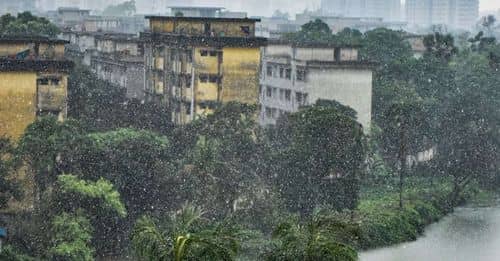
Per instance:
{"type": "Point", "coordinates": [389, 10]}
{"type": "Point", "coordinates": [295, 75]}
{"type": "Point", "coordinates": [455, 14]}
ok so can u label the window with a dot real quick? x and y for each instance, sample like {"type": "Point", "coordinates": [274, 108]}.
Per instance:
{"type": "Point", "coordinates": [269, 112]}
{"type": "Point", "coordinates": [55, 82]}
{"type": "Point", "coordinates": [282, 72]}
{"type": "Point", "coordinates": [298, 97]}
{"type": "Point", "coordinates": [274, 113]}
{"type": "Point", "coordinates": [301, 98]}
{"type": "Point", "coordinates": [213, 53]}
{"type": "Point", "coordinates": [204, 53]}
{"type": "Point", "coordinates": [275, 92]}
{"type": "Point", "coordinates": [269, 71]}
{"type": "Point", "coordinates": [245, 30]}
{"type": "Point", "coordinates": [282, 94]}
{"type": "Point", "coordinates": [288, 74]}
{"type": "Point", "coordinates": [288, 95]}
{"type": "Point", "coordinates": [188, 81]}
{"type": "Point", "coordinates": [189, 57]}
{"type": "Point", "coordinates": [213, 78]}
{"type": "Point", "coordinates": [269, 92]}
{"type": "Point", "coordinates": [203, 78]}
{"type": "Point", "coordinates": [187, 107]}
{"type": "Point", "coordinates": [42, 81]}
{"type": "Point", "coordinates": [301, 75]}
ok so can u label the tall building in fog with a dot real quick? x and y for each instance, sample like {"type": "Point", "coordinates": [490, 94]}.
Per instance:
{"type": "Point", "coordinates": [456, 14]}
{"type": "Point", "coordinates": [390, 10]}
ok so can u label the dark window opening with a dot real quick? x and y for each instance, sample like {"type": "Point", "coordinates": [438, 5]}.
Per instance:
{"type": "Point", "coordinates": [288, 95]}
{"type": "Point", "coordinates": [245, 30]}
{"type": "Point", "coordinates": [213, 53]}
{"type": "Point", "coordinates": [288, 74]}
{"type": "Point", "coordinates": [282, 72]}
{"type": "Point", "coordinates": [269, 70]}
{"type": "Point", "coordinates": [204, 53]}
{"type": "Point", "coordinates": [269, 92]}
{"type": "Point", "coordinates": [203, 78]}
{"type": "Point", "coordinates": [42, 81]}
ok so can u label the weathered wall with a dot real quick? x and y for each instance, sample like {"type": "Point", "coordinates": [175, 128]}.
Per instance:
{"type": "Point", "coordinates": [241, 75]}
{"type": "Point", "coordinates": [17, 102]}
{"type": "Point", "coordinates": [351, 87]}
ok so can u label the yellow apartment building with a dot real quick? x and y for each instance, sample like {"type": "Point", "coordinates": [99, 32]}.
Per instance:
{"type": "Point", "coordinates": [194, 64]}
{"type": "Point", "coordinates": [33, 82]}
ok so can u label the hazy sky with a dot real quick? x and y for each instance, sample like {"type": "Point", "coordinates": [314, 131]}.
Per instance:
{"type": "Point", "coordinates": [489, 5]}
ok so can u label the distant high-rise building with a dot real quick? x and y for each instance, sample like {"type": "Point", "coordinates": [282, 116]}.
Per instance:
{"type": "Point", "coordinates": [389, 10]}
{"type": "Point", "coordinates": [457, 14]}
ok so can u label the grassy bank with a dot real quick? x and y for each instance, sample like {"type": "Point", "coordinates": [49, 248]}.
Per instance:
{"type": "Point", "coordinates": [383, 223]}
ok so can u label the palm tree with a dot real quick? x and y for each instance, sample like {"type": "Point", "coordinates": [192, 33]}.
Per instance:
{"type": "Point", "coordinates": [315, 240]}
{"type": "Point", "coordinates": [186, 237]}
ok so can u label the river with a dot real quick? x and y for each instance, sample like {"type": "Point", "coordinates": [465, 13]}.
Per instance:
{"type": "Point", "coordinates": [468, 234]}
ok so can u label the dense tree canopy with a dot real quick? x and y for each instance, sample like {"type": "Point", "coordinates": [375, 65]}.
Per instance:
{"type": "Point", "coordinates": [25, 24]}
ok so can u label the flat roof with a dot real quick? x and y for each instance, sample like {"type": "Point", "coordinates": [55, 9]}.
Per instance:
{"type": "Point", "coordinates": [217, 19]}
{"type": "Point", "coordinates": [31, 39]}
{"type": "Point", "coordinates": [197, 7]}
{"type": "Point", "coordinates": [13, 65]}
{"type": "Point", "coordinates": [312, 44]}
{"type": "Point", "coordinates": [201, 40]}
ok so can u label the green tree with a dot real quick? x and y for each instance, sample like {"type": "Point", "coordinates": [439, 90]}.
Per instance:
{"type": "Point", "coordinates": [187, 236]}
{"type": "Point", "coordinates": [124, 9]}
{"type": "Point", "coordinates": [9, 189]}
{"type": "Point", "coordinates": [315, 240]}
{"type": "Point", "coordinates": [27, 24]}
{"type": "Point", "coordinates": [72, 235]}
{"type": "Point", "coordinates": [441, 46]}
{"type": "Point", "coordinates": [311, 32]}
{"type": "Point", "coordinates": [321, 161]}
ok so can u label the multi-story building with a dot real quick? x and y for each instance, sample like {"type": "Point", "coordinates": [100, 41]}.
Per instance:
{"type": "Point", "coordinates": [119, 60]}
{"type": "Point", "coordinates": [71, 17]}
{"type": "Point", "coordinates": [389, 10]}
{"type": "Point", "coordinates": [194, 64]}
{"type": "Point", "coordinates": [296, 75]}
{"type": "Point", "coordinates": [455, 14]}
{"type": "Point", "coordinates": [33, 82]}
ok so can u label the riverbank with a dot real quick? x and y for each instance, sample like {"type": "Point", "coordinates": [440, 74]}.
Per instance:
{"type": "Point", "coordinates": [382, 223]}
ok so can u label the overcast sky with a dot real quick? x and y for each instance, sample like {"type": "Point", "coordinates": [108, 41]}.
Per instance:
{"type": "Point", "coordinates": [490, 5]}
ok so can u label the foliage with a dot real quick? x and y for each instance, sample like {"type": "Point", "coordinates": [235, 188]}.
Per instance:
{"type": "Point", "coordinates": [101, 190]}
{"type": "Point", "coordinates": [9, 189]}
{"type": "Point", "coordinates": [72, 235]}
{"type": "Point", "coordinates": [322, 161]}
{"type": "Point", "coordinates": [25, 24]}
{"type": "Point", "coordinates": [123, 9]}
{"type": "Point", "coordinates": [9, 253]}
{"type": "Point", "coordinates": [101, 106]}
{"type": "Point", "coordinates": [43, 146]}
{"type": "Point", "coordinates": [312, 241]}
{"type": "Point", "coordinates": [441, 46]}
{"type": "Point", "coordinates": [187, 237]}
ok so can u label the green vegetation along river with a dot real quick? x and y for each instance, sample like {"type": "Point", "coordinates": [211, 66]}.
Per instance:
{"type": "Point", "coordinates": [470, 233]}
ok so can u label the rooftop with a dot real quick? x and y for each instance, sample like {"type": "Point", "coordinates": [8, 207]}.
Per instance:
{"type": "Point", "coordinates": [313, 44]}
{"type": "Point", "coordinates": [202, 19]}
{"type": "Point", "coordinates": [213, 8]}
{"type": "Point", "coordinates": [31, 39]}
{"type": "Point", "coordinates": [202, 40]}
{"type": "Point", "coordinates": [11, 65]}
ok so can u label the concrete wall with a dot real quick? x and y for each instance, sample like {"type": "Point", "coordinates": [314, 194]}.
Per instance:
{"type": "Point", "coordinates": [350, 87]}
{"type": "Point", "coordinates": [18, 99]}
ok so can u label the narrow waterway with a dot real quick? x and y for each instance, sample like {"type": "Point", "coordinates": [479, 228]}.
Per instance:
{"type": "Point", "coordinates": [469, 234]}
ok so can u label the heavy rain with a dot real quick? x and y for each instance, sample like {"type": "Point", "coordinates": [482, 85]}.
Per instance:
{"type": "Point", "coordinates": [274, 130]}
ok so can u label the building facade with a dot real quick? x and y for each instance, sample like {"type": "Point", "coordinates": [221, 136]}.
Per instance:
{"type": "Point", "coordinates": [119, 59]}
{"type": "Point", "coordinates": [296, 75]}
{"type": "Point", "coordinates": [33, 82]}
{"type": "Point", "coordinates": [194, 64]}
{"type": "Point", "coordinates": [455, 14]}
{"type": "Point", "coordinates": [389, 10]}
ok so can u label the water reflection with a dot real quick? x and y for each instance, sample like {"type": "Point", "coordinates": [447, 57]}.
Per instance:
{"type": "Point", "coordinates": [469, 234]}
